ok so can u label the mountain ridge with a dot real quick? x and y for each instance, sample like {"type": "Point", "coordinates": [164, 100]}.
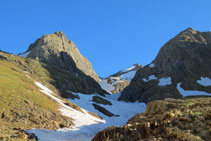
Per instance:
{"type": "Point", "coordinates": [56, 49]}
{"type": "Point", "coordinates": [53, 70]}
{"type": "Point", "coordinates": [115, 83]}
{"type": "Point", "coordinates": [183, 59]}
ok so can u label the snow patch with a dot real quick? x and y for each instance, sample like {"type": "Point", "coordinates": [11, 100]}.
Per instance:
{"type": "Point", "coordinates": [45, 89]}
{"type": "Point", "coordinates": [107, 86]}
{"type": "Point", "coordinates": [113, 96]}
{"type": "Point", "coordinates": [125, 74]}
{"type": "Point", "coordinates": [129, 69]}
{"type": "Point", "coordinates": [151, 77]}
{"type": "Point", "coordinates": [152, 65]}
{"type": "Point", "coordinates": [205, 81]}
{"type": "Point", "coordinates": [164, 81]}
{"type": "Point", "coordinates": [25, 54]}
{"type": "Point", "coordinates": [190, 92]}
{"type": "Point", "coordinates": [110, 86]}
{"type": "Point", "coordinates": [123, 109]}
{"type": "Point", "coordinates": [86, 126]}
{"type": "Point", "coordinates": [81, 121]}
{"type": "Point", "coordinates": [128, 76]}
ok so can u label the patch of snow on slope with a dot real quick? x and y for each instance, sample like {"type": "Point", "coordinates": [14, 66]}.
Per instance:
{"type": "Point", "coordinates": [107, 86]}
{"type": "Point", "coordinates": [205, 81]}
{"type": "Point", "coordinates": [85, 125]}
{"type": "Point", "coordinates": [164, 81]}
{"type": "Point", "coordinates": [151, 77]}
{"type": "Point", "coordinates": [152, 65]}
{"type": "Point", "coordinates": [128, 76]}
{"type": "Point", "coordinates": [25, 54]}
{"type": "Point", "coordinates": [45, 89]}
{"type": "Point", "coordinates": [129, 69]}
{"type": "Point", "coordinates": [123, 109]}
{"type": "Point", "coordinates": [113, 96]}
{"type": "Point", "coordinates": [190, 92]}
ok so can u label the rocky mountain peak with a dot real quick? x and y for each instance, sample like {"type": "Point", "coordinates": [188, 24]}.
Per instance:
{"type": "Point", "coordinates": [191, 30]}
{"type": "Point", "coordinates": [55, 49]}
{"type": "Point", "coordinates": [184, 60]}
{"type": "Point", "coordinates": [188, 36]}
{"type": "Point", "coordinates": [59, 33]}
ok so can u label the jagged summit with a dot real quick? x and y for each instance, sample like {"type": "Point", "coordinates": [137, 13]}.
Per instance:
{"type": "Point", "coordinates": [57, 52]}
{"type": "Point", "coordinates": [192, 35]}
{"type": "Point", "coordinates": [134, 67]}
{"type": "Point", "coordinates": [184, 60]}
{"type": "Point", "coordinates": [55, 49]}
{"type": "Point", "coordinates": [189, 29]}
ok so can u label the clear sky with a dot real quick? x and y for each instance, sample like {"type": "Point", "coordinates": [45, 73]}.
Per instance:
{"type": "Point", "coordinates": [112, 34]}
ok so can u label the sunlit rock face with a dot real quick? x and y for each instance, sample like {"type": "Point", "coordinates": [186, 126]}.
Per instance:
{"type": "Point", "coordinates": [57, 50]}
{"type": "Point", "coordinates": [184, 59]}
{"type": "Point", "coordinates": [76, 73]}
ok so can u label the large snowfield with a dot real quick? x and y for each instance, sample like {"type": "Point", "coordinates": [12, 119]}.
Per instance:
{"type": "Point", "coordinates": [85, 125]}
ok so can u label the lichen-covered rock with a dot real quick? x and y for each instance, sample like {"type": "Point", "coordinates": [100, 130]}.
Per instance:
{"type": "Point", "coordinates": [187, 119]}
{"type": "Point", "coordinates": [184, 59]}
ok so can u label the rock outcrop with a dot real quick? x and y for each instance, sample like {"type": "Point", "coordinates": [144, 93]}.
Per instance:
{"type": "Point", "coordinates": [68, 68]}
{"type": "Point", "coordinates": [55, 49]}
{"type": "Point", "coordinates": [187, 119]}
{"type": "Point", "coordinates": [184, 60]}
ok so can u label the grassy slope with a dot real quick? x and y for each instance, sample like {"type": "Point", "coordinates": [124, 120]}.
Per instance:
{"type": "Point", "coordinates": [22, 104]}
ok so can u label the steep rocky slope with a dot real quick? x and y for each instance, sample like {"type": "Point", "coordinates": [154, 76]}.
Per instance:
{"type": "Point", "coordinates": [73, 71]}
{"type": "Point", "coordinates": [120, 80]}
{"type": "Point", "coordinates": [185, 120]}
{"type": "Point", "coordinates": [180, 66]}
{"type": "Point", "coordinates": [26, 102]}
{"type": "Point", "coordinates": [56, 49]}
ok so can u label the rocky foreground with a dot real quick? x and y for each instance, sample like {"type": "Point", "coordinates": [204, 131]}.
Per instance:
{"type": "Point", "coordinates": [186, 119]}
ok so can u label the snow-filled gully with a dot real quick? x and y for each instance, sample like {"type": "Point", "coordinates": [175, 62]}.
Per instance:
{"type": "Point", "coordinates": [85, 125]}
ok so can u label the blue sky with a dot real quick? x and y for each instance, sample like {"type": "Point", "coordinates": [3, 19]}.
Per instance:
{"type": "Point", "coordinates": [112, 34]}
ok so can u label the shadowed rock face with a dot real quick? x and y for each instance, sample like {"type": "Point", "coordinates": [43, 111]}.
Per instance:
{"type": "Point", "coordinates": [56, 49]}
{"type": "Point", "coordinates": [184, 59]}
